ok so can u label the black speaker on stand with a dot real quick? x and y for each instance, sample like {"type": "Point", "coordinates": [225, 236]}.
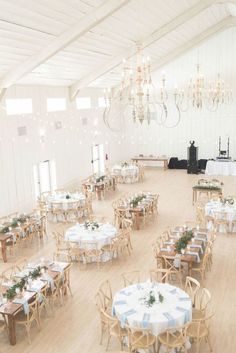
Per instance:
{"type": "Point", "coordinates": [192, 163]}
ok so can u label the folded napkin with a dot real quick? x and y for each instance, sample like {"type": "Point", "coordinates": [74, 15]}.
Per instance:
{"type": "Point", "coordinates": [24, 302]}
{"type": "Point", "coordinates": [139, 286]}
{"type": "Point", "coordinates": [173, 291]}
{"type": "Point", "coordinates": [171, 320]}
{"type": "Point", "coordinates": [197, 246]}
{"type": "Point", "coordinates": [125, 315]}
{"type": "Point", "coordinates": [145, 320]}
{"type": "Point", "coordinates": [125, 293]}
{"type": "Point", "coordinates": [182, 299]}
{"type": "Point", "coordinates": [120, 302]}
{"type": "Point", "coordinates": [49, 279]}
{"type": "Point", "coordinates": [165, 249]}
{"type": "Point", "coordinates": [36, 286]}
{"type": "Point", "coordinates": [194, 254]}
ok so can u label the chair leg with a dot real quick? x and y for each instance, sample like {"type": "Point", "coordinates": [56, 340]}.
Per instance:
{"type": "Point", "coordinates": [108, 341]}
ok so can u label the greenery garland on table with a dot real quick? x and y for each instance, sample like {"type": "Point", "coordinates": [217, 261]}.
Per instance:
{"type": "Point", "coordinates": [208, 187]}
{"type": "Point", "coordinates": [135, 201]}
{"type": "Point", "coordinates": [183, 241]}
{"type": "Point", "coordinates": [11, 292]}
{"type": "Point", "coordinates": [13, 224]}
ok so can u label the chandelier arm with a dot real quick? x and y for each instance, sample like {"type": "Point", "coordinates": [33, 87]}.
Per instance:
{"type": "Point", "coordinates": [178, 120]}
{"type": "Point", "coordinates": [106, 122]}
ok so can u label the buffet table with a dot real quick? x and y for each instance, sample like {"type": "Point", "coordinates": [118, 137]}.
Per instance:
{"type": "Point", "coordinates": [220, 168]}
{"type": "Point", "coordinates": [174, 310]}
{"type": "Point", "coordinates": [163, 159]}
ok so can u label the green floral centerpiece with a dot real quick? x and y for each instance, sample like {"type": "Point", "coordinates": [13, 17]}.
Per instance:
{"type": "Point", "coordinates": [135, 201]}
{"type": "Point", "coordinates": [125, 164]}
{"type": "Point", "coordinates": [101, 178]}
{"type": "Point", "coordinates": [152, 299]}
{"type": "Point", "coordinates": [91, 225]}
{"type": "Point", "coordinates": [68, 196]}
{"type": "Point", "coordinates": [183, 241]}
{"type": "Point", "coordinates": [228, 201]}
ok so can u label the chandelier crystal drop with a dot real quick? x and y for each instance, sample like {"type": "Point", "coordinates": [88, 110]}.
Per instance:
{"type": "Point", "coordinates": [136, 93]}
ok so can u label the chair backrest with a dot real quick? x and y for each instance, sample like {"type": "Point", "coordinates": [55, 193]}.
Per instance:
{"type": "Point", "coordinates": [130, 278]}
{"type": "Point", "coordinates": [159, 275]}
{"type": "Point", "coordinates": [176, 337]}
{"type": "Point", "coordinates": [106, 294]}
{"type": "Point", "coordinates": [192, 286]}
{"type": "Point", "coordinates": [33, 310]}
{"type": "Point", "coordinates": [139, 338]}
{"type": "Point", "coordinates": [203, 299]}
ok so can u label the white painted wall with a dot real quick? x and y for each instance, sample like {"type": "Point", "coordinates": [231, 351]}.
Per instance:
{"type": "Point", "coordinates": [70, 146]}
{"type": "Point", "coordinates": [217, 54]}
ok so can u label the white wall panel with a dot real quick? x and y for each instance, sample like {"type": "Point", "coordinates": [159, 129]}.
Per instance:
{"type": "Point", "coordinates": [215, 55]}
{"type": "Point", "coordinates": [69, 146]}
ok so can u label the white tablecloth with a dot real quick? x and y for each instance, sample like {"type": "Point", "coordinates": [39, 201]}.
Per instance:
{"type": "Point", "coordinates": [216, 206]}
{"type": "Point", "coordinates": [101, 236]}
{"type": "Point", "coordinates": [60, 200]}
{"type": "Point", "coordinates": [220, 168]}
{"type": "Point", "coordinates": [175, 310]}
{"type": "Point", "coordinates": [129, 171]}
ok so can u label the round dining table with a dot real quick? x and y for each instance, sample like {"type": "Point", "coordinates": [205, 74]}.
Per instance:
{"type": "Point", "coordinates": [99, 237]}
{"type": "Point", "coordinates": [129, 173]}
{"type": "Point", "coordinates": [130, 307]}
{"type": "Point", "coordinates": [64, 202]}
{"type": "Point", "coordinates": [228, 212]}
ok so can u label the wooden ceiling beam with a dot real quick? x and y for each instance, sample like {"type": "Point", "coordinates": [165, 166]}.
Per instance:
{"type": "Point", "coordinates": [153, 37]}
{"type": "Point", "coordinates": [85, 24]}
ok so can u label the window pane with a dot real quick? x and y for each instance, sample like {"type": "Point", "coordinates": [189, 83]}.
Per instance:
{"type": "Point", "coordinates": [56, 104]}
{"type": "Point", "coordinates": [19, 106]}
{"type": "Point", "coordinates": [83, 103]}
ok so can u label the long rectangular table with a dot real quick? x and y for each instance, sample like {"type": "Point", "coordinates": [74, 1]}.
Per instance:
{"type": "Point", "coordinates": [11, 309]}
{"type": "Point", "coordinates": [220, 168]}
{"type": "Point", "coordinates": [152, 159]}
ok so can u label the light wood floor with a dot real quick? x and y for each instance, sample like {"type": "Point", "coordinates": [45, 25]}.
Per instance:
{"type": "Point", "coordinates": [75, 328]}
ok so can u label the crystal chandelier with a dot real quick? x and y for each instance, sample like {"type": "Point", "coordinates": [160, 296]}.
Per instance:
{"type": "Point", "coordinates": [199, 93]}
{"type": "Point", "coordinates": [136, 93]}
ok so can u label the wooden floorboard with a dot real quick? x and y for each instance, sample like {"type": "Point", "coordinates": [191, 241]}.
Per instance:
{"type": "Point", "coordinates": [75, 328]}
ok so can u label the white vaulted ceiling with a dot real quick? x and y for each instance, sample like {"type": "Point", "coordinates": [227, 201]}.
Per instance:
{"type": "Point", "coordinates": [81, 43]}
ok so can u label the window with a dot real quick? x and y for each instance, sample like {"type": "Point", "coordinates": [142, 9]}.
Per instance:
{"type": "Point", "coordinates": [19, 106]}
{"type": "Point", "coordinates": [44, 177]}
{"type": "Point", "coordinates": [101, 102]}
{"type": "Point", "coordinates": [56, 104]}
{"type": "Point", "coordinates": [83, 103]}
{"type": "Point", "coordinates": [98, 159]}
